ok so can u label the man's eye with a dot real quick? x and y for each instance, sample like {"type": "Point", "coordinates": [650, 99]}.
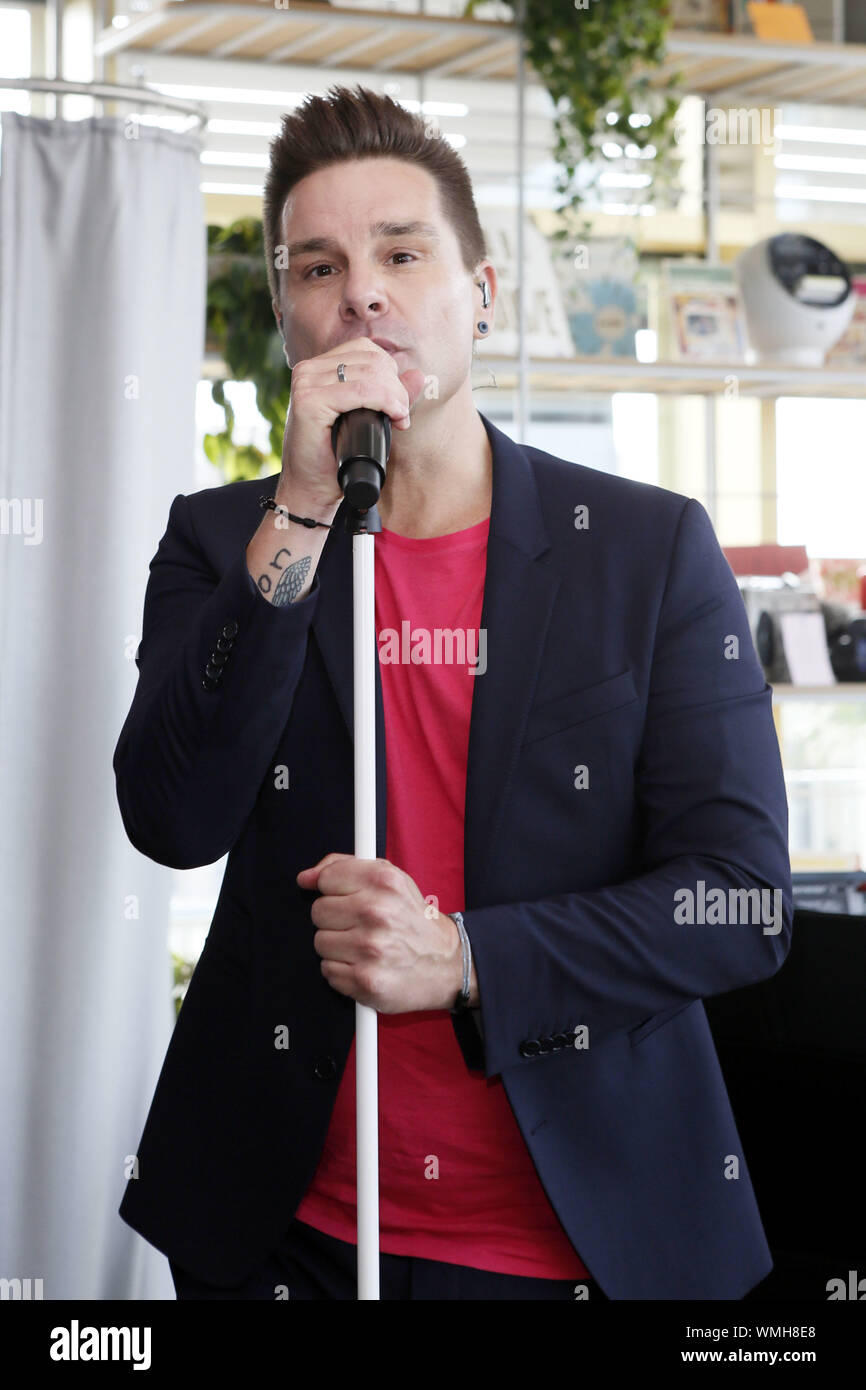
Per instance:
{"type": "Point", "coordinates": [311, 273]}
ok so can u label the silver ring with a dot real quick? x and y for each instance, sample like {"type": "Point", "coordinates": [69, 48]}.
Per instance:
{"type": "Point", "coordinates": [341, 371]}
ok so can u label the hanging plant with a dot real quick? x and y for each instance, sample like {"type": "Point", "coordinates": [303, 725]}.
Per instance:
{"type": "Point", "coordinates": [242, 330]}
{"type": "Point", "coordinates": [595, 58]}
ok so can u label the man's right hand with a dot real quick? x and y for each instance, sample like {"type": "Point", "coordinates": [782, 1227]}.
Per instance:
{"type": "Point", "coordinates": [373, 381]}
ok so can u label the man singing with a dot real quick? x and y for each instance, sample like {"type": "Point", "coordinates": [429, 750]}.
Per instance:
{"type": "Point", "coordinates": [573, 732]}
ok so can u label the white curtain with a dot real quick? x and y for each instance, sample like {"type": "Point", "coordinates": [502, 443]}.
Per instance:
{"type": "Point", "coordinates": [102, 303]}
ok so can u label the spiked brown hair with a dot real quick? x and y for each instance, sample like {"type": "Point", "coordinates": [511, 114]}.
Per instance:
{"type": "Point", "coordinates": [361, 124]}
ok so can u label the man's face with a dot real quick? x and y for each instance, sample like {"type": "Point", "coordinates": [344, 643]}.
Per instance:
{"type": "Point", "coordinates": [407, 285]}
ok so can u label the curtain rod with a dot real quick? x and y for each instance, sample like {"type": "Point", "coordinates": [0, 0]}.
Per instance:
{"type": "Point", "coordinates": [107, 91]}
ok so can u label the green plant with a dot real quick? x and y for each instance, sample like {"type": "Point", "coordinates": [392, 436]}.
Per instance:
{"type": "Point", "coordinates": [241, 328]}
{"type": "Point", "coordinates": [182, 970]}
{"type": "Point", "coordinates": [595, 58]}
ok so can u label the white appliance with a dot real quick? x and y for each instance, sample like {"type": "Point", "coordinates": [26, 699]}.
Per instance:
{"type": "Point", "coordinates": [797, 298]}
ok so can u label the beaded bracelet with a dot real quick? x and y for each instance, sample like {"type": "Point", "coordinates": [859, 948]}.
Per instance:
{"type": "Point", "coordinates": [303, 520]}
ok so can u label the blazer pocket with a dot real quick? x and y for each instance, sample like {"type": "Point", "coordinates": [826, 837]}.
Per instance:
{"type": "Point", "coordinates": [575, 706]}
{"type": "Point", "coordinates": [643, 1030]}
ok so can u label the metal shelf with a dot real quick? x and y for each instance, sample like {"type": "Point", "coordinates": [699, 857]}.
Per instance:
{"type": "Point", "coordinates": [590, 375]}
{"type": "Point", "coordinates": [842, 690]}
{"type": "Point", "coordinates": [593, 377]}
{"type": "Point", "coordinates": [318, 35]}
{"type": "Point", "coordinates": [724, 66]}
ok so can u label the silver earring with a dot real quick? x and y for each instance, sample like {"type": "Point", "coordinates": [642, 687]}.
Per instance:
{"type": "Point", "coordinates": [483, 326]}
{"type": "Point", "coordinates": [485, 294]}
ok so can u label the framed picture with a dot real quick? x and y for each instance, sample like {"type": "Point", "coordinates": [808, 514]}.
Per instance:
{"type": "Point", "coordinates": [708, 15]}
{"type": "Point", "coordinates": [704, 312]}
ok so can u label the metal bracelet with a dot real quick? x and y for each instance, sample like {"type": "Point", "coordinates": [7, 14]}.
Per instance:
{"type": "Point", "coordinates": [463, 997]}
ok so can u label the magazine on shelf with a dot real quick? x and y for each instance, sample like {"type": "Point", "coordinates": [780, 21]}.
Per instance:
{"type": "Point", "coordinates": [704, 312]}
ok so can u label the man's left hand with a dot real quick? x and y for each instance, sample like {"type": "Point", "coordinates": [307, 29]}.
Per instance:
{"type": "Point", "coordinates": [380, 941]}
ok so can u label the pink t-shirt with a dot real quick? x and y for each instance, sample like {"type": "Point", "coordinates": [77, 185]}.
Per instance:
{"type": "Point", "coordinates": [456, 1180]}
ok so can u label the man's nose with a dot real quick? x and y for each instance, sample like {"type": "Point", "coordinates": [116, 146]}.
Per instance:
{"type": "Point", "coordinates": [361, 294]}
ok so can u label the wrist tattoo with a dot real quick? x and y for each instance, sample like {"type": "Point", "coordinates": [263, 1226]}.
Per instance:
{"type": "Point", "coordinates": [291, 581]}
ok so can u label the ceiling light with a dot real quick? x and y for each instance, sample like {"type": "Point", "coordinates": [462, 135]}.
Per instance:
{"type": "Point", "coordinates": [815, 194]}
{"type": "Point", "coordinates": [223, 127]}
{"type": "Point", "coordinates": [248, 190]}
{"type": "Point", "coordinates": [617, 180]}
{"type": "Point", "coordinates": [820, 164]}
{"type": "Point", "coordinates": [252, 96]}
{"type": "Point", "coordinates": [231, 159]}
{"type": "Point", "coordinates": [826, 135]}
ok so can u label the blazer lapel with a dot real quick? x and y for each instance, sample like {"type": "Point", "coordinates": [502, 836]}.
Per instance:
{"type": "Point", "coordinates": [519, 594]}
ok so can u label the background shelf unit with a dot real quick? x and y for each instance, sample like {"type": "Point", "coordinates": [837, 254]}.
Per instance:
{"type": "Point", "coordinates": [843, 690]}
{"type": "Point", "coordinates": [724, 66]}
{"type": "Point", "coordinates": [591, 376]}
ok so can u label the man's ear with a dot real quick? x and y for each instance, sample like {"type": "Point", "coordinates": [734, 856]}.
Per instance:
{"type": "Point", "coordinates": [279, 321]}
{"type": "Point", "coordinates": [488, 273]}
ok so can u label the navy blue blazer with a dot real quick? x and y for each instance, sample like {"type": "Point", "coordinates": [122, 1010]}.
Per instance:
{"type": "Point", "coordinates": [622, 755]}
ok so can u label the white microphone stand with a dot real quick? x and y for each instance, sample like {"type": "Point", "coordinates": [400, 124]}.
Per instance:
{"type": "Point", "coordinates": [361, 476]}
{"type": "Point", "coordinates": [366, 1019]}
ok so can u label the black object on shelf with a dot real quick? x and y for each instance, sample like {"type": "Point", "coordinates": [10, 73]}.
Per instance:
{"type": "Point", "coordinates": [830, 892]}
{"type": "Point", "coordinates": [792, 1049]}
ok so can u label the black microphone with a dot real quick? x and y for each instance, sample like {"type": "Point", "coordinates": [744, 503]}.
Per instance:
{"type": "Point", "coordinates": [361, 440]}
